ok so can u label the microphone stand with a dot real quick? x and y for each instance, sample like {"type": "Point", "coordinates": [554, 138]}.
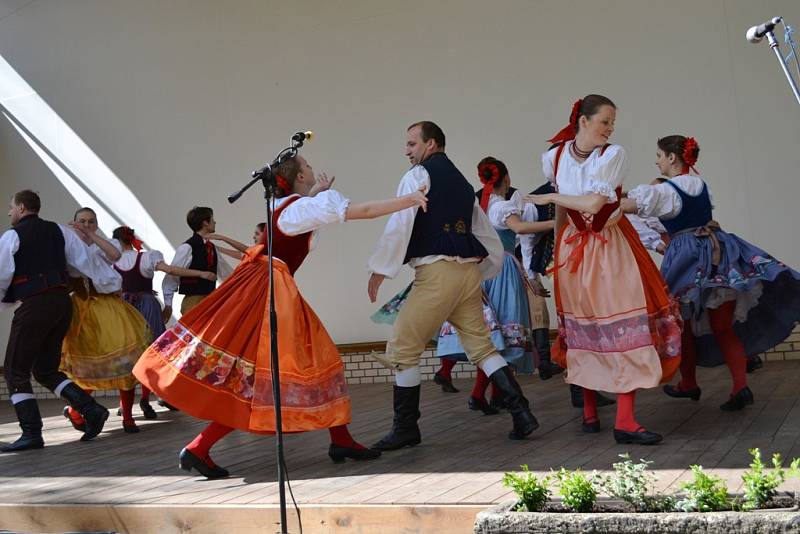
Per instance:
{"type": "Point", "coordinates": [773, 44]}
{"type": "Point", "coordinates": [267, 178]}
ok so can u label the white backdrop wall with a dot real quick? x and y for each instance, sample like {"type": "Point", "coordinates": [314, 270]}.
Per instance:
{"type": "Point", "coordinates": [181, 99]}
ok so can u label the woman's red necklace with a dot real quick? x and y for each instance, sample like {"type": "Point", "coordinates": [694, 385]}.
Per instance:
{"type": "Point", "coordinates": [578, 153]}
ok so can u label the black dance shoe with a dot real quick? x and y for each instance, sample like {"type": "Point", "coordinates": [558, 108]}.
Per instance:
{"type": "Point", "coordinates": [480, 405]}
{"type": "Point", "coordinates": [188, 461]}
{"type": "Point", "coordinates": [754, 363]}
{"type": "Point", "coordinates": [591, 427]}
{"type": "Point", "coordinates": [338, 453]}
{"type": "Point", "coordinates": [130, 428]}
{"type": "Point", "coordinates": [673, 391]}
{"type": "Point", "coordinates": [446, 383]}
{"type": "Point", "coordinates": [644, 437]}
{"type": "Point", "coordinates": [147, 410]}
{"type": "Point", "coordinates": [79, 427]}
{"type": "Point", "coordinates": [168, 406]}
{"type": "Point", "coordinates": [548, 370]}
{"type": "Point", "coordinates": [737, 402]}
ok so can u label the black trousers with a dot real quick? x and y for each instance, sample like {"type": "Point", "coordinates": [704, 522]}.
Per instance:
{"type": "Point", "coordinates": [34, 343]}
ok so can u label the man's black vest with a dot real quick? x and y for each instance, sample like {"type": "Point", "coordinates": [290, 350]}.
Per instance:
{"type": "Point", "coordinates": [40, 262]}
{"type": "Point", "coordinates": [203, 259]}
{"type": "Point", "coordinates": [446, 228]}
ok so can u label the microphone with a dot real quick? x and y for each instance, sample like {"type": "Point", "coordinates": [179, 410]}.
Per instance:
{"type": "Point", "coordinates": [301, 137]}
{"type": "Point", "coordinates": [756, 33]}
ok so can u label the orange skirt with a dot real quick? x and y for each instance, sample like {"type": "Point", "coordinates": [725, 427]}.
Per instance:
{"type": "Point", "coordinates": [214, 363]}
{"type": "Point", "coordinates": [618, 327]}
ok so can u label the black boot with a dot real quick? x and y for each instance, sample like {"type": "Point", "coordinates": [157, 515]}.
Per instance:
{"type": "Point", "coordinates": [30, 421]}
{"type": "Point", "coordinates": [405, 432]}
{"type": "Point", "coordinates": [541, 340]}
{"type": "Point", "coordinates": [93, 413]}
{"type": "Point", "coordinates": [576, 396]}
{"type": "Point", "coordinates": [516, 403]}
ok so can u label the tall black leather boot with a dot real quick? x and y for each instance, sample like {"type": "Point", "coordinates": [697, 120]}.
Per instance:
{"type": "Point", "coordinates": [405, 432]}
{"type": "Point", "coordinates": [93, 413]}
{"type": "Point", "coordinates": [30, 421]}
{"type": "Point", "coordinates": [516, 403]}
{"type": "Point", "coordinates": [541, 341]}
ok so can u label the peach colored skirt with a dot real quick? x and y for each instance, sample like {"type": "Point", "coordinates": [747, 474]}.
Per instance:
{"type": "Point", "coordinates": [618, 327]}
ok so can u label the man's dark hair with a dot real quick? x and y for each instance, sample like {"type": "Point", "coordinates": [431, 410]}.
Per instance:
{"type": "Point", "coordinates": [197, 216]}
{"type": "Point", "coordinates": [29, 199]}
{"type": "Point", "coordinates": [429, 130]}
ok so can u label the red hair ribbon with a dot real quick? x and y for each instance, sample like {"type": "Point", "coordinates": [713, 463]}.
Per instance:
{"type": "Point", "coordinates": [129, 236]}
{"type": "Point", "coordinates": [283, 185]}
{"type": "Point", "coordinates": [567, 133]}
{"type": "Point", "coordinates": [489, 174]}
{"type": "Point", "coordinates": [689, 156]}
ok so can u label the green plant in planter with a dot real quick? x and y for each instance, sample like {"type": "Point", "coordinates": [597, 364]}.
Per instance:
{"type": "Point", "coordinates": [761, 486]}
{"type": "Point", "coordinates": [532, 493]}
{"type": "Point", "coordinates": [705, 493]}
{"type": "Point", "coordinates": [577, 490]}
{"type": "Point", "coordinates": [633, 483]}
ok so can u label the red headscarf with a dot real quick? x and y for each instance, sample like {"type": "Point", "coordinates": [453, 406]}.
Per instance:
{"type": "Point", "coordinates": [568, 132]}
{"type": "Point", "coordinates": [489, 174]}
{"type": "Point", "coordinates": [689, 156]}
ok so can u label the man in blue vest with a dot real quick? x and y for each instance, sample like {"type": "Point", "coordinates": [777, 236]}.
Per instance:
{"type": "Point", "coordinates": [452, 247]}
{"type": "Point", "coordinates": [34, 256]}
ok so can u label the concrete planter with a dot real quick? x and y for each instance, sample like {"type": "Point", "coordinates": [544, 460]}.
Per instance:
{"type": "Point", "coordinates": [500, 520]}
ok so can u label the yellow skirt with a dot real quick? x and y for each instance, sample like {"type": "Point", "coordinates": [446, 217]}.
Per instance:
{"type": "Point", "coordinates": [104, 342]}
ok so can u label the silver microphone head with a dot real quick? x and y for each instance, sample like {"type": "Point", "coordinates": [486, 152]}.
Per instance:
{"type": "Point", "coordinates": [751, 35]}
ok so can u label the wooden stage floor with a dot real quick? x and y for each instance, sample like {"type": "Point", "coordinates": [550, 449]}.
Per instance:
{"type": "Point", "coordinates": [134, 480]}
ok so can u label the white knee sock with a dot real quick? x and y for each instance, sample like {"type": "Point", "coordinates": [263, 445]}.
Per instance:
{"type": "Point", "coordinates": [492, 364]}
{"type": "Point", "coordinates": [19, 397]}
{"type": "Point", "coordinates": [61, 386]}
{"type": "Point", "coordinates": [408, 378]}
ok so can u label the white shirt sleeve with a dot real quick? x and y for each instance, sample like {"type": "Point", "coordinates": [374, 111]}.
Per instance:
{"type": "Point", "coordinates": [609, 173]}
{"type": "Point", "coordinates": [483, 230]}
{"type": "Point", "coordinates": [101, 254]}
{"type": "Point", "coordinates": [501, 210]}
{"type": "Point", "coordinates": [311, 213]}
{"type": "Point", "coordinates": [659, 200]}
{"type": "Point", "coordinates": [147, 265]}
{"type": "Point", "coordinates": [224, 268]}
{"type": "Point", "coordinates": [183, 258]}
{"type": "Point", "coordinates": [393, 244]}
{"type": "Point", "coordinates": [649, 237]}
{"type": "Point", "coordinates": [9, 245]}
{"type": "Point", "coordinates": [547, 165]}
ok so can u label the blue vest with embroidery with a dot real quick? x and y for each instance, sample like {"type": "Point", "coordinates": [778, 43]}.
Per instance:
{"type": "Point", "coordinates": [446, 228]}
{"type": "Point", "coordinates": [695, 211]}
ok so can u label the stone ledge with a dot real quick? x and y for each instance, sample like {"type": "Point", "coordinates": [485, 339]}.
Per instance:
{"type": "Point", "coordinates": [499, 520]}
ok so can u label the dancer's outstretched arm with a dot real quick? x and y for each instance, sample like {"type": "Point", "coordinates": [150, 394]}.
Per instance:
{"type": "Point", "coordinates": [378, 208]}
{"type": "Point", "coordinates": [591, 203]}
{"type": "Point", "coordinates": [527, 227]}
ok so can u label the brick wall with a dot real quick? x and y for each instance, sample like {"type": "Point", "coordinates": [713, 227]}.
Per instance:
{"type": "Point", "coordinates": [361, 367]}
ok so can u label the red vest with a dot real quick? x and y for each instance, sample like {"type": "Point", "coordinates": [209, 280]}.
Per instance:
{"type": "Point", "coordinates": [292, 250]}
